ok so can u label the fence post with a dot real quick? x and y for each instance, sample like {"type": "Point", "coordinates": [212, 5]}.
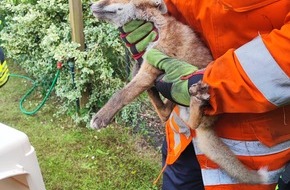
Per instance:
{"type": "Point", "coordinates": [77, 26]}
{"type": "Point", "coordinates": [76, 20]}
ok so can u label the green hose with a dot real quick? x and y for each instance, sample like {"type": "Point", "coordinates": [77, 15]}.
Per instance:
{"type": "Point", "coordinates": [39, 106]}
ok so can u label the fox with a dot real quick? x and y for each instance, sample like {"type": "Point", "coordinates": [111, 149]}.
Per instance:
{"type": "Point", "coordinates": [175, 40]}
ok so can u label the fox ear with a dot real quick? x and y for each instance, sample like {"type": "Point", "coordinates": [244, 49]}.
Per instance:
{"type": "Point", "coordinates": [161, 6]}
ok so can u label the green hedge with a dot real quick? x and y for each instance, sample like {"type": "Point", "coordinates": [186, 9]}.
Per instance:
{"type": "Point", "coordinates": [38, 35]}
{"type": "Point", "coordinates": [16, 2]}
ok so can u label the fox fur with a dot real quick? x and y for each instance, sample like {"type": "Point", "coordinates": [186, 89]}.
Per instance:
{"type": "Point", "coordinates": [179, 41]}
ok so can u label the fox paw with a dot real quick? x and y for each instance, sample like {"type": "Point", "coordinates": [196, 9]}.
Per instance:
{"type": "Point", "coordinates": [199, 91]}
{"type": "Point", "coordinates": [99, 121]}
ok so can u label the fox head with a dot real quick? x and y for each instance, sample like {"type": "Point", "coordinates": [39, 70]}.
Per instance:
{"type": "Point", "coordinates": [120, 12]}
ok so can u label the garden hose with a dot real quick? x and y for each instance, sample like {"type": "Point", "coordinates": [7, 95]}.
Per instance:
{"type": "Point", "coordinates": [35, 85]}
{"type": "Point", "coordinates": [39, 106]}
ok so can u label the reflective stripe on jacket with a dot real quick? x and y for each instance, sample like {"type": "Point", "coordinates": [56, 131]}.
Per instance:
{"type": "Point", "coordinates": [178, 136]}
{"type": "Point", "coordinates": [252, 153]}
{"type": "Point", "coordinates": [4, 73]}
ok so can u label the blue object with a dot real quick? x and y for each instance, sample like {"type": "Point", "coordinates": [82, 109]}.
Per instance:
{"type": "Point", "coordinates": [2, 56]}
{"type": "Point", "coordinates": [185, 173]}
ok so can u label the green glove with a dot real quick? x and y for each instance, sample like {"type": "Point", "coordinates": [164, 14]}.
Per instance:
{"type": "Point", "coordinates": [178, 77]}
{"type": "Point", "coordinates": [137, 35]}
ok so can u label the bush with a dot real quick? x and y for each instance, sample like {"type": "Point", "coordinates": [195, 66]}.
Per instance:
{"type": "Point", "coordinates": [38, 35]}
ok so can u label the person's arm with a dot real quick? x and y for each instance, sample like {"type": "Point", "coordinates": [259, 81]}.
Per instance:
{"type": "Point", "coordinates": [253, 78]}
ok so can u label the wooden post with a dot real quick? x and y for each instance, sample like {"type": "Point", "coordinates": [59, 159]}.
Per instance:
{"type": "Point", "coordinates": [76, 20]}
{"type": "Point", "coordinates": [77, 26]}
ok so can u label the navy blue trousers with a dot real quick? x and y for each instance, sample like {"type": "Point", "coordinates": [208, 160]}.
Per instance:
{"type": "Point", "coordinates": [184, 174]}
{"type": "Point", "coordinates": [2, 57]}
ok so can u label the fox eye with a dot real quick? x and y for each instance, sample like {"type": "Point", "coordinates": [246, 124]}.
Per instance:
{"type": "Point", "coordinates": [119, 9]}
{"type": "Point", "coordinates": [157, 3]}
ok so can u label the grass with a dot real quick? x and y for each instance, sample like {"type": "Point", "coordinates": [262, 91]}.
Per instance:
{"type": "Point", "coordinates": [77, 158]}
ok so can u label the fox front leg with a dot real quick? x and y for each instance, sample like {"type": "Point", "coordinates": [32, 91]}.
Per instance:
{"type": "Point", "coordinates": [198, 98]}
{"type": "Point", "coordinates": [141, 82]}
{"type": "Point", "coordinates": [163, 108]}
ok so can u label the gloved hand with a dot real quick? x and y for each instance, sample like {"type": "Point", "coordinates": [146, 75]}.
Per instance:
{"type": "Point", "coordinates": [4, 73]}
{"type": "Point", "coordinates": [178, 77]}
{"type": "Point", "coordinates": [284, 180]}
{"type": "Point", "coordinates": [137, 35]}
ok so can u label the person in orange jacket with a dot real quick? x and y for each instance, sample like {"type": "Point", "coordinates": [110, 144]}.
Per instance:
{"type": "Point", "coordinates": [249, 89]}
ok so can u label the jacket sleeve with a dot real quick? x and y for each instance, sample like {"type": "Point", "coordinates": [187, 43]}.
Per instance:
{"type": "Point", "coordinates": [253, 78]}
{"type": "Point", "coordinates": [173, 11]}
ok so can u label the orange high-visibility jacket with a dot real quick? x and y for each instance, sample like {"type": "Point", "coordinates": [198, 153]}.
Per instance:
{"type": "Point", "coordinates": [249, 82]}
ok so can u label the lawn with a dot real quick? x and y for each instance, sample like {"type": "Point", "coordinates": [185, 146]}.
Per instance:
{"type": "Point", "coordinates": [77, 158]}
